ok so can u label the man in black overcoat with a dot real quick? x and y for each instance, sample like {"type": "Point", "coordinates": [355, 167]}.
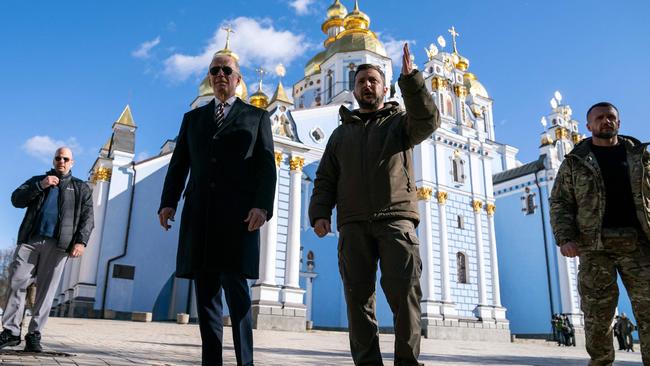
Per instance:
{"type": "Point", "coordinates": [226, 147]}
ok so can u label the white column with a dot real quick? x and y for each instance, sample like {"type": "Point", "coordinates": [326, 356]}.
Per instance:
{"type": "Point", "coordinates": [426, 244]}
{"type": "Point", "coordinates": [494, 263]}
{"type": "Point", "coordinates": [270, 236]}
{"type": "Point", "coordinates": [499, 311]}
{"type": "Point", "coordinates": [265, 292]}
{"type": "Point", "coordinates": [448, 307]}
{"type": "Point", "coordinates": [291, 292]}
{"type": "Point", "coordinates": [482, 311]}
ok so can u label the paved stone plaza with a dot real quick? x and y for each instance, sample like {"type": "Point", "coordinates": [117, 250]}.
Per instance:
{"type": "Point", "coordinates": [106, 342]}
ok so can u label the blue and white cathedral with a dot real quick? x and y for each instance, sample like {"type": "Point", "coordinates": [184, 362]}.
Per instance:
{"type": "Point", "coordinates": [462, 175]}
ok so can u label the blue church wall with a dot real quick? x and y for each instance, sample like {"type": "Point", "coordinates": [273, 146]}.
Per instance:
{"type": "Point", "coordinates": [150, 249]}
{"type": "Point", "coordinates": [522, 266]}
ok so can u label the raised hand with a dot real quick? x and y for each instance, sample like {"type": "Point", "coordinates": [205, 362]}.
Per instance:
{"type": "Point", "coordinates": [407, 66]}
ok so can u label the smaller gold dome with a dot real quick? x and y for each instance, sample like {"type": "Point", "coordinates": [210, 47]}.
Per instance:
{"type": "Point", "coordinates": [356, 19]}
{"type": "Point", "coordinates": [463, 63]}
{"type": "Point", "coordinates": [474, 86]}
{"type": "Point", "coordinates": [546, 139]}
{"type": "Point", "coordinates": [259, 99]}
{"type": "Point", "coordinates": [337, 10]}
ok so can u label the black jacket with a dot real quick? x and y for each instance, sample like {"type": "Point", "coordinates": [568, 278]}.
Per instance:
{"type": "Point", "coordinates": [75, 209]}
{"type": "Point", "coordinates": [231, 170]}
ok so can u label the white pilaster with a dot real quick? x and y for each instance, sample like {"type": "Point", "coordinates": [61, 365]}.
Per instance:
{"type": "Point", "coordinates": [483, 311]}
{"type": "Point", "coordinates": [426, 246]}
{"type": "Point", "coordinates": [265, 289]}
{"type": "Point", "coordinates": [499, 312]}
{"type": "Point", "coordinates": [291, 292]}
{"type": "Point", "coordinates": [448, 307]}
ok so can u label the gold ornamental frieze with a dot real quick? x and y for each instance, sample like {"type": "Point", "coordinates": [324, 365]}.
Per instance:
{"type": "Point", "coordinates": [278, 158]}
{"type": "Point", "coordinates": [490, 208]}
{"type": "Point", "coordinates": [103, 175]}
{"type": "Point", "coordinates": [296, 163]}
{"type": "Point", "coordinates": [477, 205]}
{"type": "Point", "coordinates": [442, 197]}
{"type": "Point", "coordinates": [424, 193]}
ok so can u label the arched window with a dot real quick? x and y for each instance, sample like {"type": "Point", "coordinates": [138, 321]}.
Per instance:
{"type": "Point", "coordinates": [458, 170]}
{"type": "Point", "coordinates": [461, 265]}
{"type": "Point", "coordinates": [330, 85]}
{"type": "Point", "coordinates": [528, 200]}
{"type": "Point", "coordinates": [351, 80]}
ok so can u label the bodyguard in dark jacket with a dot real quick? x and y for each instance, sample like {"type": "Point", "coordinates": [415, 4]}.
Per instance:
{"type": "Point", "coordinates": [227, 148]}
{"type": "Point", "coordinates": [367, 173]}
{"type": "Point", "coordinates": [57, 224]}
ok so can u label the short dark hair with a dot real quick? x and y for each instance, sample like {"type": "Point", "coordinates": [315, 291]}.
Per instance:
{"type": "Point", "coordinates": [601, 104]}
{"type": "Point", "coordinates": [368, 67]}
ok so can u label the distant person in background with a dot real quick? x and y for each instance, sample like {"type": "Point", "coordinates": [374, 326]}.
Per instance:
{"type": "Point", "coordinates": [57, 225]}
{"type": "Point", "coordinates": [618, 325]}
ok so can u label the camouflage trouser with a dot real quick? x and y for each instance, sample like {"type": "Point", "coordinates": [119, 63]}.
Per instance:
{"type": "Point", "coordinates": [597, 283]}
{"type": "Point", "coordinates": [394, 244]}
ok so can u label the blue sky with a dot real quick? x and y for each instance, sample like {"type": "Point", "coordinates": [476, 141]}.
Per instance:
{"type": "Point", "coordinates": [69, 68]}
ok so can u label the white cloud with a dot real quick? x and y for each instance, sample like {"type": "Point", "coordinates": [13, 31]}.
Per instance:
{"type": "Point", "coordinates": [394, 49]}
{"type": "Point", "coordinates": [143, 156]}
{"type": "Point", "coordinates": [257, 43]}
{"type": "Point", "coordinates": [143, 50]}
{"type": "Point", "coordinates": [301, 6]}
{"type": "Point", "coordinates": [43, 147]}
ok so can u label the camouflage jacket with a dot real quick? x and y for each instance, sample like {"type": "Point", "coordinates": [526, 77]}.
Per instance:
{"type": "Point", "coordinates": [578, 195]}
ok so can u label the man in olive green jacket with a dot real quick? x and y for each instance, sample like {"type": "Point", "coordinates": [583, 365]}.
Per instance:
{"type": "Point", "coordinates": [600, 211]}
{"type": "Point", "coordinates": [367, 173]}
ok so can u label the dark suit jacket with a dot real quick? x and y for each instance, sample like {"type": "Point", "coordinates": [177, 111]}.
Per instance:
{"type": "Point", "coordinates": [232, 169]}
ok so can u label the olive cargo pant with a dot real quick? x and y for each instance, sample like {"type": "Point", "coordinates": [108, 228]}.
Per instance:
{"type": "Point", "coordinates": [597, 283]}
{"type": "Point", "coordinates": [394, 244]}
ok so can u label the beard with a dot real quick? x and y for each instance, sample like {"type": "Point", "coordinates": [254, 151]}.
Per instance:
{"type": "Point", "coordinates": [607, 134]}
{"type": "Point", "coordinates": [372, 104]}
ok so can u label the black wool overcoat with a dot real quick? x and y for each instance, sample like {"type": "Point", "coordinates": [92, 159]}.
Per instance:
{"type": "Point", "coordinates": [231, 170]}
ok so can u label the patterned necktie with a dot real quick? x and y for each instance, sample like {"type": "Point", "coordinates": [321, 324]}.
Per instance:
{"type": "Point", "coordinates": [218, 114]}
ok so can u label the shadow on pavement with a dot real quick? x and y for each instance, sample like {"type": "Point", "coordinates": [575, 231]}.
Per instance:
{"type": "Point", "coordinates": [34, 354]}
{"type": "Point", "coordinates": [512, 360]}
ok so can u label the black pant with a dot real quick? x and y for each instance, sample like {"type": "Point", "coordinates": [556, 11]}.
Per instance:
{"type": "Point", "coordinates": [210, 310]}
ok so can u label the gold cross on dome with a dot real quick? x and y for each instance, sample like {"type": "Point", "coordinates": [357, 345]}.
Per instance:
{"type": "Point", "coordinates": [260, 71]}
{"type": "Point", "coordinates": [228, 30]}
{"type": "Point", "coordinates": [454, 34]}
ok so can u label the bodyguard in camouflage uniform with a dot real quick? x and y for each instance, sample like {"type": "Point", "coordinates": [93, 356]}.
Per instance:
{"type": "Point", "coordinates": [367, 172]}
{"type": "Point", "coordinates": [600, 211]}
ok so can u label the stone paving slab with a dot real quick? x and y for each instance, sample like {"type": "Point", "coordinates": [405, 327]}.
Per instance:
{"type": "Point", "coordinates": [120, 343]}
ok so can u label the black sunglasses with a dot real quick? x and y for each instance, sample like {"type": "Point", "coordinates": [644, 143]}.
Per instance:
{"type": "Point", "coordinates": [59, 158]}
{"type": "Point", "coordinates": [227, 70]}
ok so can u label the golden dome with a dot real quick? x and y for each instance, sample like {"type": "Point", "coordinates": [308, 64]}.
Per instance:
{"type": "Point", "coordinates": [474, 86]}
{"type": "Point", "coordinates": [259, 99]}
{"type": "Point", "coordinates": [356, 19]}
{"type": "Point", "coordinates": [351, 42]}
{"type": "Point", "coordinates": [313, 65]}
{"type": "Point", "coordinates": [337, 10]}
{"type": "Point", "coordinates": [463, 62]}
{"type": "Point", "coordinates": [546, 139]}
{"type": "Point", "coordinates": [205, 90]}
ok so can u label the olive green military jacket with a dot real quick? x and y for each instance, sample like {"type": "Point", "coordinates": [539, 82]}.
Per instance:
{"type": "Point", "coordinates": [367, 168]}
{"type": "Point", "coordinates": [578, 195]}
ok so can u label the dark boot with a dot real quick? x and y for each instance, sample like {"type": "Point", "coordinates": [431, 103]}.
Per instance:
{"type": "Point", "coordinates": [33, 342]}
{"type": "Point", "coordinates": [8, 340]}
